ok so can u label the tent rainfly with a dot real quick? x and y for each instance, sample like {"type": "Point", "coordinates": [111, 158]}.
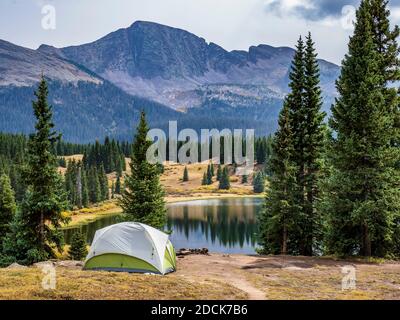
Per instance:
{"type": "Point", "coordinates": [131, 247]}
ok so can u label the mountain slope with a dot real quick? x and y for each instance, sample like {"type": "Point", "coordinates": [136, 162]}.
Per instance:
{"type": "Point", "coordinates": [86, 107]}
{"type": "Point", "coordinates": [167, 64]}
{"type": "Point", "coordinates": [22, 67]}
{"type": "Point", "coordinates": [98, 89]}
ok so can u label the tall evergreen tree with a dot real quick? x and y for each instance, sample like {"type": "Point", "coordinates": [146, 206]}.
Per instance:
{"type": "Point", "coordinates": [79, 195]}
{"type": "Point", "coordinates": [37, 229]}
{"type": "Point", "coordinates": [143, 201]}
{"type": "Point", "coordinates": [185, 175]}
{"type": "Point", "coordinates": [314, 134]}
{"type": "Point", "coordinates": [204, 180]}
{"type": "Point", "coordinates": [8, 206]}
{"type": "Point", "coordinates": [219, 172]}
{"type": "Point", "coordinates": [105, 195]}
{"type": "Point", "coordinates": [209, 175]}
{"type": "Point", "coordinates": [78, 249]}
{"type": "Point", "coordinates": [118, 185]}
{"type": "Point", "coordinates": [85, 190]}
{"type": "Point", "coordinates": [224, 183]}
{"type": "Point", "coordinates": [278, 220]}
{"type": "Point", "coordinates": [363, 192]}
{"type": "Point", "coordinates": [258, 183]}
{"type": "Point", "coordinates": [94, 185]}
{"type": "Point", "coordinates": [112, 190]}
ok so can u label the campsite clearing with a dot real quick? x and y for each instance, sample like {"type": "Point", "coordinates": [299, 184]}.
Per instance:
{"type": "Point", "coordinates": [215, 276]}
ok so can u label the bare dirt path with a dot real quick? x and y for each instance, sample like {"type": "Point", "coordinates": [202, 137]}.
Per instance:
{"type": "Point", "coordinates": [224, 268]}
{"type": "Point", "coordinates": [285, 277]}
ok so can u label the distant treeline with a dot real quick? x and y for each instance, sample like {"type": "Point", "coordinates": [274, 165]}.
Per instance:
{"type": "Point", "coordinates": [86, 180]}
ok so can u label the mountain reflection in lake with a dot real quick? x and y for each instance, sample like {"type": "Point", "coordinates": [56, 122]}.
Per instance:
{"type": "Point", "coordinates": [221, 225]}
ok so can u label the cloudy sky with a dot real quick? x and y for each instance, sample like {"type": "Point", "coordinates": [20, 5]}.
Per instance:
{"type": "Point", "coordinates": [233, 24]}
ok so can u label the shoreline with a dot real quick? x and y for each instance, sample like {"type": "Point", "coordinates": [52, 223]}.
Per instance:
{"type": "Point", "coordinates": [110, 208]}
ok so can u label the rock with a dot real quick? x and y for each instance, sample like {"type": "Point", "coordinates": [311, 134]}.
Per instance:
{"type": "Point", "coordinates": [16, 266]}
{"type": "Point", "coordinates": [44, 264]}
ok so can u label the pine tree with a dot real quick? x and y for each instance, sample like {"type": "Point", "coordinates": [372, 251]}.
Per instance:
{"type": "Point", "coordinates": [212, 170]}
{"type": "Point", "coordinates": [94, 186]}
{"type": "Point", "coordinates": [295, 102]}
{"type": "Point", "coordinates": [85, 190]}
{"type": "Point", "coordinates": [219, 173]}
{"type": "Point", "coordinates": [143, 201]}
{"type": "Point", "coordinates": [37, 228]}
{"type": "Point", "coordinates": [118, 185]}
{"type": "Point", "coordinates": [278, 222]}
{"type": "Point", "coordinates": [62, 162]}
{"type": "Point", "coordinates": [244, 179]}
{"type": "Point", "coordinates": [8, 206]}
{"type": "Point", "coordinates": [185, 175]}
{"type": "Point", "coordinates": [209, 176]}
{"type": "Point", "coordinates": [204, 180]}
{"type": "Point", "coordinates": [112, 190]}
{"type": "Point", "coordinates": [259, 183]}
{"type": "Point", "coordinates": [78, 249]}
{"type": "Point", "coordinates": [224, 183]}
{"type": "Point", "coordinates": [362, 200]}
{"type": "Point", "coordinates": [103, 184]}
{"type": "Point", "coordinates": [313, 149]}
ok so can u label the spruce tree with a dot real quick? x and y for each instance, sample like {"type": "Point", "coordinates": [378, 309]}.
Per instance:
{"type": "Point", "coordinates": [224, 183]}
{"type": "Point", "coordinates": [278, 222]}
{"type": "Point", "coordinates": [259, 183]}
{"type": "Point", "coordinates": [79, 195]}
{"type": "Point", "coordinates": [209, 175]}
{"type": "Point", "coordinates": [112, 190]}
{"type": "Point", "coordinates": [219, 172]}
{"type": "Point", "coordinates": [37, 228]}
{"type": "Point", "coordinates": [143, 200]}
{"type": "Point", "coordinates": [313, 149]}
{"type": "Point", "coordinates": [94, 186]}
{"type": "Point", "coordinates": [185, 175]}
{"type": "Point", "coordinates": [85, 190]}
{"type": "Point", "coordinates": [362, 200]}
{"type": "Point", "coordinates": [8, 206]}
{"type": "Point", "coordinates": [204, 180]}
{"type": "Point", "coordinates": [78, 249]}
{"type": "Point", "coordinates": [103, 184]}
{"type": "Point", "coordinates": [118, 185]}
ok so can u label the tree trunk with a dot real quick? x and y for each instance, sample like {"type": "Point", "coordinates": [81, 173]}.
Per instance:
{"type": "Point", "coordinates": [284, 240]}
{"type": "Point", "coordinates": [79, 187]}
{"type": "Point", "coordinates": [41, 230]}
{"type": "Point", "coordinates": [366, 241]}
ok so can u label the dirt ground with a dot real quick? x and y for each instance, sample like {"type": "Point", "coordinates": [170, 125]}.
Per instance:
{"type": "Point", "coordinates": [216, 276]}
{"type": "Point", "coordinates": [304, 278]}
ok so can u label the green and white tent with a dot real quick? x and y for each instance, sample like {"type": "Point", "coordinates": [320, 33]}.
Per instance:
{"type": "Point", "coordinates": [131, 247]}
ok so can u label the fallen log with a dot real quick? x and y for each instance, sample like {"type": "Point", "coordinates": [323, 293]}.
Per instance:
{"type": "Point", "coordinates": [185, 252]}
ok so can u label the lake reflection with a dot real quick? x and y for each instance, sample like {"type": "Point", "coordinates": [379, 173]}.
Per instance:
{"type": "Point", "coordinates": [221, 225]}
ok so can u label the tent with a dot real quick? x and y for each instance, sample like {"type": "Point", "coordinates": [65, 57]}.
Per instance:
{"type": "Point", "coordinates": [131, 247]}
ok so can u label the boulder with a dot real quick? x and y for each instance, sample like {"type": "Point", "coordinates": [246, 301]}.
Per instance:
{"type": "Point", "coordinates": [16, 266]}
